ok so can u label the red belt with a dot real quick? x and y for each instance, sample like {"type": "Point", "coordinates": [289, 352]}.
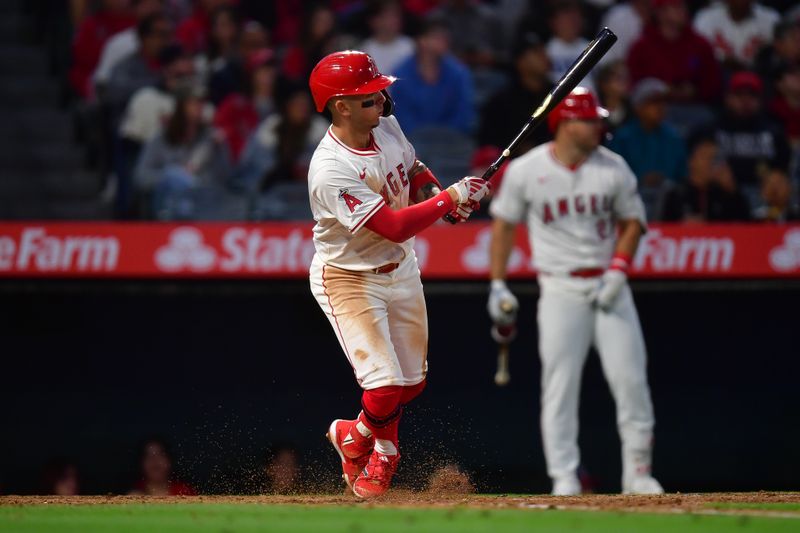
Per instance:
{"type": "Point", "coordinates": [385, 269]}
{"type": "Point", "coordinates": [587, 273]}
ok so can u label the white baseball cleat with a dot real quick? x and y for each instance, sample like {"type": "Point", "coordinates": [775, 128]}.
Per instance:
{"type": "Point", "coordinates": [566, 486]}
{"type": "Point", "coordinates": [642, 485]}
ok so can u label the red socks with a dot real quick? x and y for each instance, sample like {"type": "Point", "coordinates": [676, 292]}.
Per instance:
{"type": "Point", "coordinates": [382, 408]}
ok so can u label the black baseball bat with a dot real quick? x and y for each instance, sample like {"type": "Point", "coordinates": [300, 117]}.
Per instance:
{"type": "Point", "coordinates": [588, 59]}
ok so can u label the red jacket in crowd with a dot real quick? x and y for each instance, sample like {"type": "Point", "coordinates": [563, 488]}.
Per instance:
{"type": "Point", "coordinates": [92, 34]}
{"type": "Point", "coordinates": [237, 117]}
{"type": "Point", "coordinates": [687, 59]}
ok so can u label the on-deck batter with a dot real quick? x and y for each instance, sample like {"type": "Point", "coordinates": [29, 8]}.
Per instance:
{"type": "Point", "coordinates": [363, 179]}
{"type": "Point", "coordinates": [575, 196]}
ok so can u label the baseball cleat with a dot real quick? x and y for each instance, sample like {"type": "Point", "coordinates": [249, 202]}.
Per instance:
{"type": "Point", "coordinates": [642, 485]}
{"type": "Point", "coordinates": [566, 486]}
{"type": "Point", "coordinates": [377, 475]}
{"type": "Point", "coordinates": [353, 448]}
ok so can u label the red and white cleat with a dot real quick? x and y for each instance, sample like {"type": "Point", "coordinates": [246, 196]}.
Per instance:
{"type": "Point", "coordinates": [377, 475]}
{"type": "Point", "coordinates": [353, 448]}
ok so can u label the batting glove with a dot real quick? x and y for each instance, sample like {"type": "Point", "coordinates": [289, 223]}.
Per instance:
{"type": "Point", "coordinates": [470, 189]}
{"type": "Point", "coordinates": [462, 212]}
{"type": "Point", "coordinates": [612, 282]}
{"type": "Point", "coordinates": [503, 305]}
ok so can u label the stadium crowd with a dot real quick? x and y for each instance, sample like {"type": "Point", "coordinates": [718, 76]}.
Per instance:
{"type": "Point", "coordinates": [201, 109]}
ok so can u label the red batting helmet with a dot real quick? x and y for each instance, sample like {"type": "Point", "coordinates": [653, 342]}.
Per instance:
{"type": "Point", "coordinates": [580, 104]}
{"type": "Point", "coordinates": [345, 73]}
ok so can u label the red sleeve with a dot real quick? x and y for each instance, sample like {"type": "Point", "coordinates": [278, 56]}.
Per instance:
{"type": "Point", "coordinates": [401, 225]}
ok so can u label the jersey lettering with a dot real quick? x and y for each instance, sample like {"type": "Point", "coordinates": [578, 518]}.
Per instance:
{"type": "Point", "coordinates": [351, 201]}
{"type": "Point", "coordinates": [402, 174]}
{"type": "Point", "coordinates": [563, 207]}
{"type": "Point", "coordinates": [392, 183]}
{"type": "Point", "coordinates": [578, 206]}
{"type": "Point", "coordinates": [547, 218]}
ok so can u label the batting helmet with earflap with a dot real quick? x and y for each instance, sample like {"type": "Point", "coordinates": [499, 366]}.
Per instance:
{"type": "Point", "coordinates": [347, 73]}
{"type": "Point", "coordinates": [579, 104]}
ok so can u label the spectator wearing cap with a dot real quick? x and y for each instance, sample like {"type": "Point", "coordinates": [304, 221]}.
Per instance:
{"type": "Point", "coordinates": [506, 110]}
{"type": "Point", "coordinates": [751, 142]}
{"type": "Point", "coordinates": [737, 29]}
{"type": "Point", "coordinates": [473, 25]}
{"type": "Point", "coordinates": [141, 68]}
{"type": "Point", "coordinates": [240, 113]}
{"type": "Point", "coordinates": [709, 193]}
{"type": "Point", "coordinates": [436, 88]}
{"type": "Point", "coordinates": [782, 54]}
{"type": "Point", "coordinates": [567, 43]}
{"type": "Point", "coordinates": [386, 44]}
{"type": "Point", "coordinates": [627, 20]}
{"type": "Point", "coordinates": [112, 17]}
{"type": "Point", "coordinates": [652, 148]}
{"type": "Point", "coordinates": [125, 42]}
{"type": "Point", "coordinates": [786, 104]}
{"type": "Point", "coordinates": [670, 50]}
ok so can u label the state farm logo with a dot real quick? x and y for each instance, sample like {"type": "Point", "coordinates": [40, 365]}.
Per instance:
{"type": "Point", "coordinates": [786, 257]}
{"type": "Point", "coordinates": [186, 250]}
{"type": "Point", "coordinates": [681, 254]}
{"type": "Point", "coordinates": [238, 250]}
{"type": "Point", "coordinates": [40, 251]}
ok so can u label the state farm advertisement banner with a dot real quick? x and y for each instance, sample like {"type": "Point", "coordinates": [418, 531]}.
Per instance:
{"type": "Point", "coordinates": [284, 250]}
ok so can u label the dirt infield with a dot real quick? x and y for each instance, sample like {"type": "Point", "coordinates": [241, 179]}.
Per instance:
{"type": "Point", "coordinates": [667, 503]}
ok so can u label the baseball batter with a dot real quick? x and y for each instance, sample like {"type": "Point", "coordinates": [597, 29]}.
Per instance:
{"type": "Point", "coordinates": [585, 218]}
{"type": "Point", "coordinates": [370, 196]}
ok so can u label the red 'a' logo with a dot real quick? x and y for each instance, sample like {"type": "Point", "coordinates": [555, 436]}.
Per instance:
{"type": "Point", "coordinates": [351, 201]}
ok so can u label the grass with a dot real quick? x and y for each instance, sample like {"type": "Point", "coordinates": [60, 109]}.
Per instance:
{"type": "Point", "coordinates": [762, 506]}
{"type": "Point", "coordinates": [244, 518]}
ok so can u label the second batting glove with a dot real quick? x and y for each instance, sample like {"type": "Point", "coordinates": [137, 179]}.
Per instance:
{"type": "Point", "coordinates": [503, 305]}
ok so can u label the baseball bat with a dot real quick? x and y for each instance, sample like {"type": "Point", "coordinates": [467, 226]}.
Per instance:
{"type": "Point", "coordinates": [502, 376]}
{"type": "Point", "coordinates": [588, 59]}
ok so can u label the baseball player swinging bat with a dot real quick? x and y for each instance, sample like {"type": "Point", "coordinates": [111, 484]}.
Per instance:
{"type": "Point", "coordinates": [594, 51]}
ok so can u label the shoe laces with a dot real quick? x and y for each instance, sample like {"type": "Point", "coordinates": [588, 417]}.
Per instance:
{"type": "Point", "coordinates": [381, 467]}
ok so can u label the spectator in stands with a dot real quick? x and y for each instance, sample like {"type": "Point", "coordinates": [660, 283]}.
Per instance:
{"type": "Point", "coordinates": [282, 146]}
{"type": "Point", "coordinates": [141, 68]}
{"type": "Point", "coordinates": [125, 42]}
{"type": "Point", "coordinates": [567, 43]}
{"type": "Point", "coordinates": [282, 470]}
{"type": "Point", "coordinates": [241, 112]}
{"type": "Point", "coordinates": [221, 53]}
{"type": "Point", "coordinates": [786, 104]}
{"type": "Point", "coordinates": [613, 84]}
{"type": "Point", "coordinates": [671, 51]}
{"type": "Point", "coordinates": [60, 477]}
{"type": "Point", "coordinates": [752, 143]}
{"type": "Point", "coordinates": [157, 479]}
{"type": "Point", "coordinates": [782, 54]}
{"type": "Point", "coordinates": [626, 20]}
{"type": "Point", "coordinates": [473, 25]}
{"type": "Point", "coordinates": [112, 17]}
{"type": "Point", "coordinates": [187, 156]}
{"type": "Point", "coordinates": [386, 44]}
{"type": "Point", "coordinates": [316, 38]}
{"type": "Point", "coordinates": [438, 88]}
{"type": "Point", "coordinates": [709, 193]}
{"type": "Point", "coordinates": [193, 32]}
{"type": "Point", "coordinates": [506, 110]}
{"type": "Point", "coordinates": [778, 200]}
{"type": "Point", "coordinates": [652, 148]}
{"type": "Point", "coordinates": [233, 74]}
{"type": "Point", "coordinates": [737, 29]}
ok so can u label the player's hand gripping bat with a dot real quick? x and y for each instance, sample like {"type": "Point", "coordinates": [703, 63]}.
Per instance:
{"type": "Point", "coordinates": [588, 59]}
{"type": "Point", "coordinates": [503, 335]}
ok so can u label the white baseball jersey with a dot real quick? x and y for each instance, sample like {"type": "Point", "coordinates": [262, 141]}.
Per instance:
{"type": "Point", "coordinates": [571, 213]}
{"type": "Point", "coordinates": [741, 40]}
{"type": "Point", "coordinates": [347, 187]}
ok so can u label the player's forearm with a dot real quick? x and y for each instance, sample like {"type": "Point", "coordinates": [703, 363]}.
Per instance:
{"type": "Point", "coordinates": [500, 249]}
{"type": "Point", "coordinates": [399, 226]}
{"type": "Point", "coordinates": [630, 231]}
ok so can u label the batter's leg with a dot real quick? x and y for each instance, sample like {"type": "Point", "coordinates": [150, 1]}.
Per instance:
{"type": "Point", "coordinates": [619, 340]}
{"type": "Point", "coordinates": [565, 329]}
{"type": "Point", "coordinates": [408, 323]}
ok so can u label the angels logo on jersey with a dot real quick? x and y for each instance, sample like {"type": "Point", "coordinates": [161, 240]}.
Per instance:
{"type": "Point", "coordinates": [351, 201]}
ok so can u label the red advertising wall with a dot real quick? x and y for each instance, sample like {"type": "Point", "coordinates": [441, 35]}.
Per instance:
{"type": "Point", "coordinates": [284, 250]}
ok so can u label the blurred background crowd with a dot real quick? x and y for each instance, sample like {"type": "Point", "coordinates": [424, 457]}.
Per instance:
{"type": "Point", "coordinates": [199, 109]}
